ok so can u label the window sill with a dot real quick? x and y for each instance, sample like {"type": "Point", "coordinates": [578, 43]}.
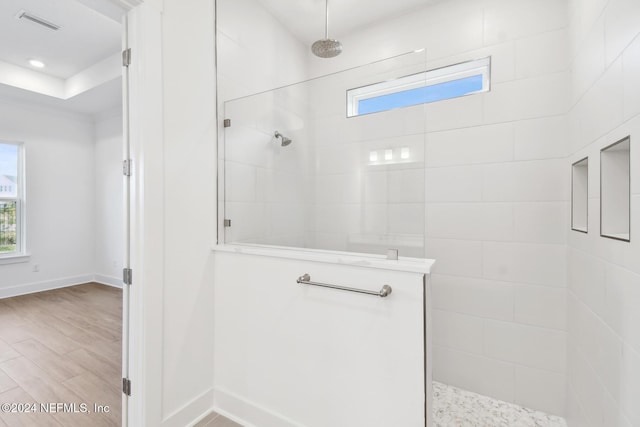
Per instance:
{"type": "Point", "coordinates": [14, 258]}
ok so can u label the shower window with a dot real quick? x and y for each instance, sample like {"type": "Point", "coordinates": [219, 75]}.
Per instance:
{"type": "Point", "coordinates": [297, 172]}
{"type": "Point", "coordinates": [429, 86]}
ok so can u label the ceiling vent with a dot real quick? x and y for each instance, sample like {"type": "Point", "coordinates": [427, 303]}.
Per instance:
{"type": "Point", "coordinates": [37, 20]}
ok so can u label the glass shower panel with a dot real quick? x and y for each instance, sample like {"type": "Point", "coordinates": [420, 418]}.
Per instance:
{"type": "Point", "coordinates": [299, 173]}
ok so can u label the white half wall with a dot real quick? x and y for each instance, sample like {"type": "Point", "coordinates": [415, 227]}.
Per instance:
{"type": "Point", "coordinates": [294, 355]}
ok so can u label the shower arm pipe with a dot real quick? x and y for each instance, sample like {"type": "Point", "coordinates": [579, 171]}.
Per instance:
{"type": "Point", "coordinates": [305, 279]}
{"type": "Point", "coordinates": [326, 19]}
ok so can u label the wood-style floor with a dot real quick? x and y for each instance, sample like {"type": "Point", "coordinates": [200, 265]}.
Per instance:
{"type": "Point", "coordinates": [61, 347]}
{"type": "Point", "coordinates": [216, 420]}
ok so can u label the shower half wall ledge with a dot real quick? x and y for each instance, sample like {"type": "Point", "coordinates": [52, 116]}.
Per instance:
{"type": "Point", "coordinates": [406, 264]}
{"type": "Point", "coordinates": [290, 351]}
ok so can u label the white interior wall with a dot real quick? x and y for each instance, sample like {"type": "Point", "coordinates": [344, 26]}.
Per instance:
{"type": "Point", "coordinates": [173, 146]}
{"type": "Point", "coordinates": [60, 184]}
{"type": "Point", "coordinates": [189, 146]}
{"type": "Point", "coordinates": [604, 274]}
{"type": "Point", "coordinates": [109, 240]}
{"type": "Point", "coordinates": [73, 196]}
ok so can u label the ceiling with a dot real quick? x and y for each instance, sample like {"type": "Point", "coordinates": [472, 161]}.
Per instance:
{"type": "Point", "coordinates": [85, 36]}
{"type": "Point", "coordinates": [99, 99]}
{"type": "Point", "coordinates": [306, 18]}
{"type": "Point", "coordinates": [89, 33]}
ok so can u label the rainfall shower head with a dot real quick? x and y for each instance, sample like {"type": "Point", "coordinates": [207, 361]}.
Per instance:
{"type": "Point", "coordinates": [285, 141]}
{"type": "Point", "coordinates": [326, 47]}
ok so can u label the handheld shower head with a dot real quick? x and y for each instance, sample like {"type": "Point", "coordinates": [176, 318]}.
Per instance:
{"type": "Point", "coordinates": [284, 140]}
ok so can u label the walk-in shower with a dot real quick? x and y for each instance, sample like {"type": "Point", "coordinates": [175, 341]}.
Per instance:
{"type": "Point", "coordinates": [343, 185]}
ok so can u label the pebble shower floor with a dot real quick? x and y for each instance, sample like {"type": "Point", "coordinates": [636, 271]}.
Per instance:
{"type": "Point", "coordinates": [454, 407]}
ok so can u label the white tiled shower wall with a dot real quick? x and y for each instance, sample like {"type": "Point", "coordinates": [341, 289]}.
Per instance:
{"type": "Point", "coordinates": [496, 192]}
{"type": "Point", "coordinates": [365, 204]}
{"type": "Point", "coordinates": [265, 183]}
{"type": "Point", "coordinates": [603, 274]}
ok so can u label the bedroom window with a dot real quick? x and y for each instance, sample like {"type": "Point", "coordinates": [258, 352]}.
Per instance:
{"type": "Point", "coordinates": [11, 199]}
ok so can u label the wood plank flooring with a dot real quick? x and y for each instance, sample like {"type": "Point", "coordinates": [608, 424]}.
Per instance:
{"type": "Point", "coordinates": [216, 420]}
{"type": "Point", "coordinates": [62, 346]}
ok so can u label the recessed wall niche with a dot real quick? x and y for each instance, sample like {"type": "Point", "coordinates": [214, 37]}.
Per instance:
{"type": "Point", "coordinates": [615, 190]}
{"type": "Point", "coordinates": [580, 195]}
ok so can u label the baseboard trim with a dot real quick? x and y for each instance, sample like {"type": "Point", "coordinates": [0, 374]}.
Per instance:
{"type": "Point", "coordinates": [248, 413]}
{"type": "Point", "coordinates": [30, 288]}
{"type": "Point", "coordinates": [192, 412]}
{"type": "Point", "coordinates": [115, 282]}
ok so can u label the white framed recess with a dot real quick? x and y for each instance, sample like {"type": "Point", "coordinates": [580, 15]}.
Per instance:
{"type": "Point", "coordinates": [580, 195]}
{"type": "Point", "coordinates": [615, 190]}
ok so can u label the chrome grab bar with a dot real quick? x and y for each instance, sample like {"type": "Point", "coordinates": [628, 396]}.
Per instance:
{"type": "Point", "coordinates": [305, 279]}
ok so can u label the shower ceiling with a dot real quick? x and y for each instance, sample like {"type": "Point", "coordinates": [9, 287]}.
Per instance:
{"type": "Point", "coordinates": [305, 18]}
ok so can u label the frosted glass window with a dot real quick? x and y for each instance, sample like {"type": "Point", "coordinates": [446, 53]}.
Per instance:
{"type": "Point", "coordinates": [429, 86]}
{"type": "Point", "coordinates": [615, 190]}
{"type": "Point", "coordinates": [580, 195]}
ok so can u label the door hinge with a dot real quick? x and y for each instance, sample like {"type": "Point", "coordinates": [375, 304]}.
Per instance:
{"type": "Point", "coordinates": [227, 223]}
{"type": "Point", "coordinates": [127, 276]}
{"type": "Point", "coordinates": [227, 123]}
{"type": "Point", "coordinates": [126, 167]}
{"type": "Point", "coordinates": [126, 57]}
{"type": "Point", "coordinates": [126, 386]}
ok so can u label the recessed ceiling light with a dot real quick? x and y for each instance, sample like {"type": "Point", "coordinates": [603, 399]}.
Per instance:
{"type": "Point", "coordinates": [36, 63]}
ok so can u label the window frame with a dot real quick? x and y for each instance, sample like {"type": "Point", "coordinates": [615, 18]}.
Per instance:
{"type": "Point", "coordinates": [21, 251]}
{"type": "Point", "coordinates": [426, 78]}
